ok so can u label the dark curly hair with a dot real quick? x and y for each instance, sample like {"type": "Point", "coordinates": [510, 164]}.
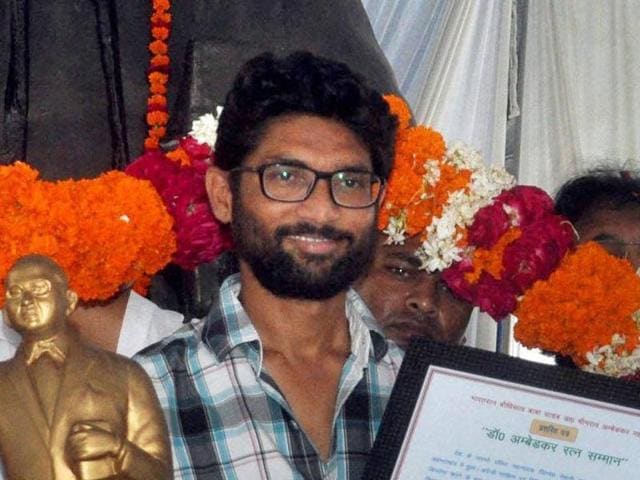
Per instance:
{"type": "Point", "coordinates": [602, 188]}
{"type": "Point", "coordinates": [267, 87]}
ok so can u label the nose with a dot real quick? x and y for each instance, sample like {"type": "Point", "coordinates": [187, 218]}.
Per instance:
{"type": "Point", "coordinates": [26, 299]}
{"type": "Point", "coordinates": [423, 300]}
{"type": "Point", "coordinates": [319, 207]}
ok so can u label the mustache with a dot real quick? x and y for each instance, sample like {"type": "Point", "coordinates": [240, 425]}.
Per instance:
{"type": "Point", "coordinates": [325, 231]}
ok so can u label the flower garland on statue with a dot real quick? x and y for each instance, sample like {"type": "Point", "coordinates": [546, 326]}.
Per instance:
{"type": "Point", "coordinates": [179, 177]}
{"type": "Point", "coordinates": [105, 232]}
{"type": "Point", "coordinates": [158, 76]}
{"type": "Point", "coordinates": [588, 310]}
{"type": "Point", "coordinates": [490, 238]}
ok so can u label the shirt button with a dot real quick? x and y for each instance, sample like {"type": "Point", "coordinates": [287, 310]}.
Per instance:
{"type": "Point", "coordinates": [293, 424]}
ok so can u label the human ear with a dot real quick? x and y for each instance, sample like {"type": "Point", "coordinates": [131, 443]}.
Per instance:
{"type": "Point", "coordinates": [382, 194]}
{"type": "Point", "coordinates": [219, 193]}
{"type": "Point", "coordinates": [72, 301]}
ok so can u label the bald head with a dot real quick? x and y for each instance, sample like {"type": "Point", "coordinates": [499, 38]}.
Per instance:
{"type": "Point", "coordinates": [38, 299]}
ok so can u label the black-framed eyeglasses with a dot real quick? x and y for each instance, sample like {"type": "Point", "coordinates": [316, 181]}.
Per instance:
{"type": "Point", "coordinates": [350, 188]}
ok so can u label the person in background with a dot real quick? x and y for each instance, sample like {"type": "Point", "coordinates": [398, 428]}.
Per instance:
{"type": "Point", "coordinates": [288, 376]}
{"type": "Point", "coordinates": [604, 206]}
{"type": "Point", "coordinates": [408, 301]}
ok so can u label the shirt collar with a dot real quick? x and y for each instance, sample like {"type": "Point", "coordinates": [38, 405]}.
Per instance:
{"type": "Point", "coordinates": [228, 326]}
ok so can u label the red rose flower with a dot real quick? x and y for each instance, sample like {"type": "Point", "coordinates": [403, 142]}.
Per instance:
{"type": "Point", "coordinates": [537, 252]}
{"type": "Point", "coordinates": [489, 224]}
{"type": "Point", "coordinates": [527, 204]}
{"type": "Point", "coordinates": [495, 297]}
{"type": "Point", "coordinates": [454, 278]}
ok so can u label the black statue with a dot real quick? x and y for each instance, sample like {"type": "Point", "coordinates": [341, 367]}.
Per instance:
{"type": "Point", "coordinates": [73, 73]}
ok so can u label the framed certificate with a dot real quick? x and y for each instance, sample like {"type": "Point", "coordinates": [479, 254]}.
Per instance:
{"type": "Point", "coordinates": [463, 413]}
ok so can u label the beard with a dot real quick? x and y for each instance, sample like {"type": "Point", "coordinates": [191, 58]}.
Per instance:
{"type": "Point", "coordinates": [313, 276]}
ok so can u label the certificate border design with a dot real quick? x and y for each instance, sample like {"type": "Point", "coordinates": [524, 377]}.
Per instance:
{"type": "Point", "coordinates": [422, 354]}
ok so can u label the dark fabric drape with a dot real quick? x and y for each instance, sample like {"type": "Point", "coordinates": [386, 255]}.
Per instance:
{"type": "Point", "coordinates": [107, 22]}
{"type": "Point", "coordinates": [13, 80]}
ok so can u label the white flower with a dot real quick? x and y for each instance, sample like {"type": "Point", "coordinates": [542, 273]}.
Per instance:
{"type": "Point", "coordinates": [396, 230]}
{"type": "Point", "coordinates": [432, 174]}
{"type": "Point", "coordinates": [441, 248]}
{"type": "Point", "coordinates": [606, 361]}
{"type": "Point", "coordinates": [205, 128]}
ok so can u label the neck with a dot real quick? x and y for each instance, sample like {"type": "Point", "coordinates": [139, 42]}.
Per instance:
{"type": "Point", "coordinates": [60, 335]}
{"type": "Point", "coordinates": [99, 323]}
{"type": "Point", "coordinates": [295, 327]}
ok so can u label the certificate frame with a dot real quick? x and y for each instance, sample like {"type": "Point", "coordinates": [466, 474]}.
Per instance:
{"type": "Point", "coordinates": [422, 354]}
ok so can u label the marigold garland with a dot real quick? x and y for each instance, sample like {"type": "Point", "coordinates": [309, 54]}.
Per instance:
{"type": "Point", "coordinates": [490, 239]}
{"type": "Point", "coordinates": [105, 232]}
{"type": "Point", "coordinates": [434, 192]}
{"type": "Point", "coordinates": [586, 306]}
{"type": "Point", "coordinates": [158, 76]}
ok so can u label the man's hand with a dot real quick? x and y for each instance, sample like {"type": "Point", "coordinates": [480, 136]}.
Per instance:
{"type": "Point", "coordinates": [88, 441]}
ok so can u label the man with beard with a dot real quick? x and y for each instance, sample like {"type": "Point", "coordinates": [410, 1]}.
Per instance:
{"type": "Point", "coordinates": [409, 301]}
{"type": "Point", "coordinates": [287, 377]}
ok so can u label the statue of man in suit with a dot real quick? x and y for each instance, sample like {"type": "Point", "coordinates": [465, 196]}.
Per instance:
{"type": "Point", "coordinates": [69, 410]}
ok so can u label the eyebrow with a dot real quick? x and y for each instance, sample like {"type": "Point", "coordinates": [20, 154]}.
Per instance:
{"type": "Point", "coordinates": [294, 162]}
{"type": "Point", "coordinates": [607, 237]}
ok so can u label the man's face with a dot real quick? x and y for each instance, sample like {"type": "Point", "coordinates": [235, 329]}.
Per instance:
{"type": "Point", "coordinates": [312, 249]}
{"type": "Point", "coordinates": [36, 301]}
{"type": "Point", "coordinates": [407, 301]}
{"type": "Point", "coordinates": [618, 231]}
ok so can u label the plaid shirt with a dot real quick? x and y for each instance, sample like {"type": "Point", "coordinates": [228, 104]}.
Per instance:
{"type": "Point", "coordinates": [228, 419]}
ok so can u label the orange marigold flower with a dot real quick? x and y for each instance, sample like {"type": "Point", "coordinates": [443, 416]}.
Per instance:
{"type": "Point", "coordinates": [490, 260]}
{"type": "Point", "coordinates": [159, 100]}
{"type": "Point", "coordinates": [160, 33]}
{"type": "Point", "coordinates": [179, 156]}
{"type": "Point", "coordinates": [161, 5]}
{"type": "Point", "coordinates": [158, 77]}
{"type": "Point", "coordinates": [157, 131]}
{"type": "Point", "coordinates": [588, 298]}
{"type": "Point", "coordinates": [160, 60]}
{"type": "Point", "coordinates": [157, 117]}
{"type": "Point", "coordinates": [151, 143]}
{"type": "Point", "coordinates": [158, 89]}
{"type": "Point", "coordinates": [400, 109]}
{"type": "Point", "coordinates": [160, 17]}
{"type": "Point", "coordinates": [105, 232]}
{"type": "Point", "coordinates": [158, 47]}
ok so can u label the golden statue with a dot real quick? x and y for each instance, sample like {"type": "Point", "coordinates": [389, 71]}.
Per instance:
{"type": "Point", "coordinates": [69, 410]}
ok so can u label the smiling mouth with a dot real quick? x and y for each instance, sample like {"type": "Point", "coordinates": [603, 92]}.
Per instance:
{"type": "Point", "coordinates": [316, 245]}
